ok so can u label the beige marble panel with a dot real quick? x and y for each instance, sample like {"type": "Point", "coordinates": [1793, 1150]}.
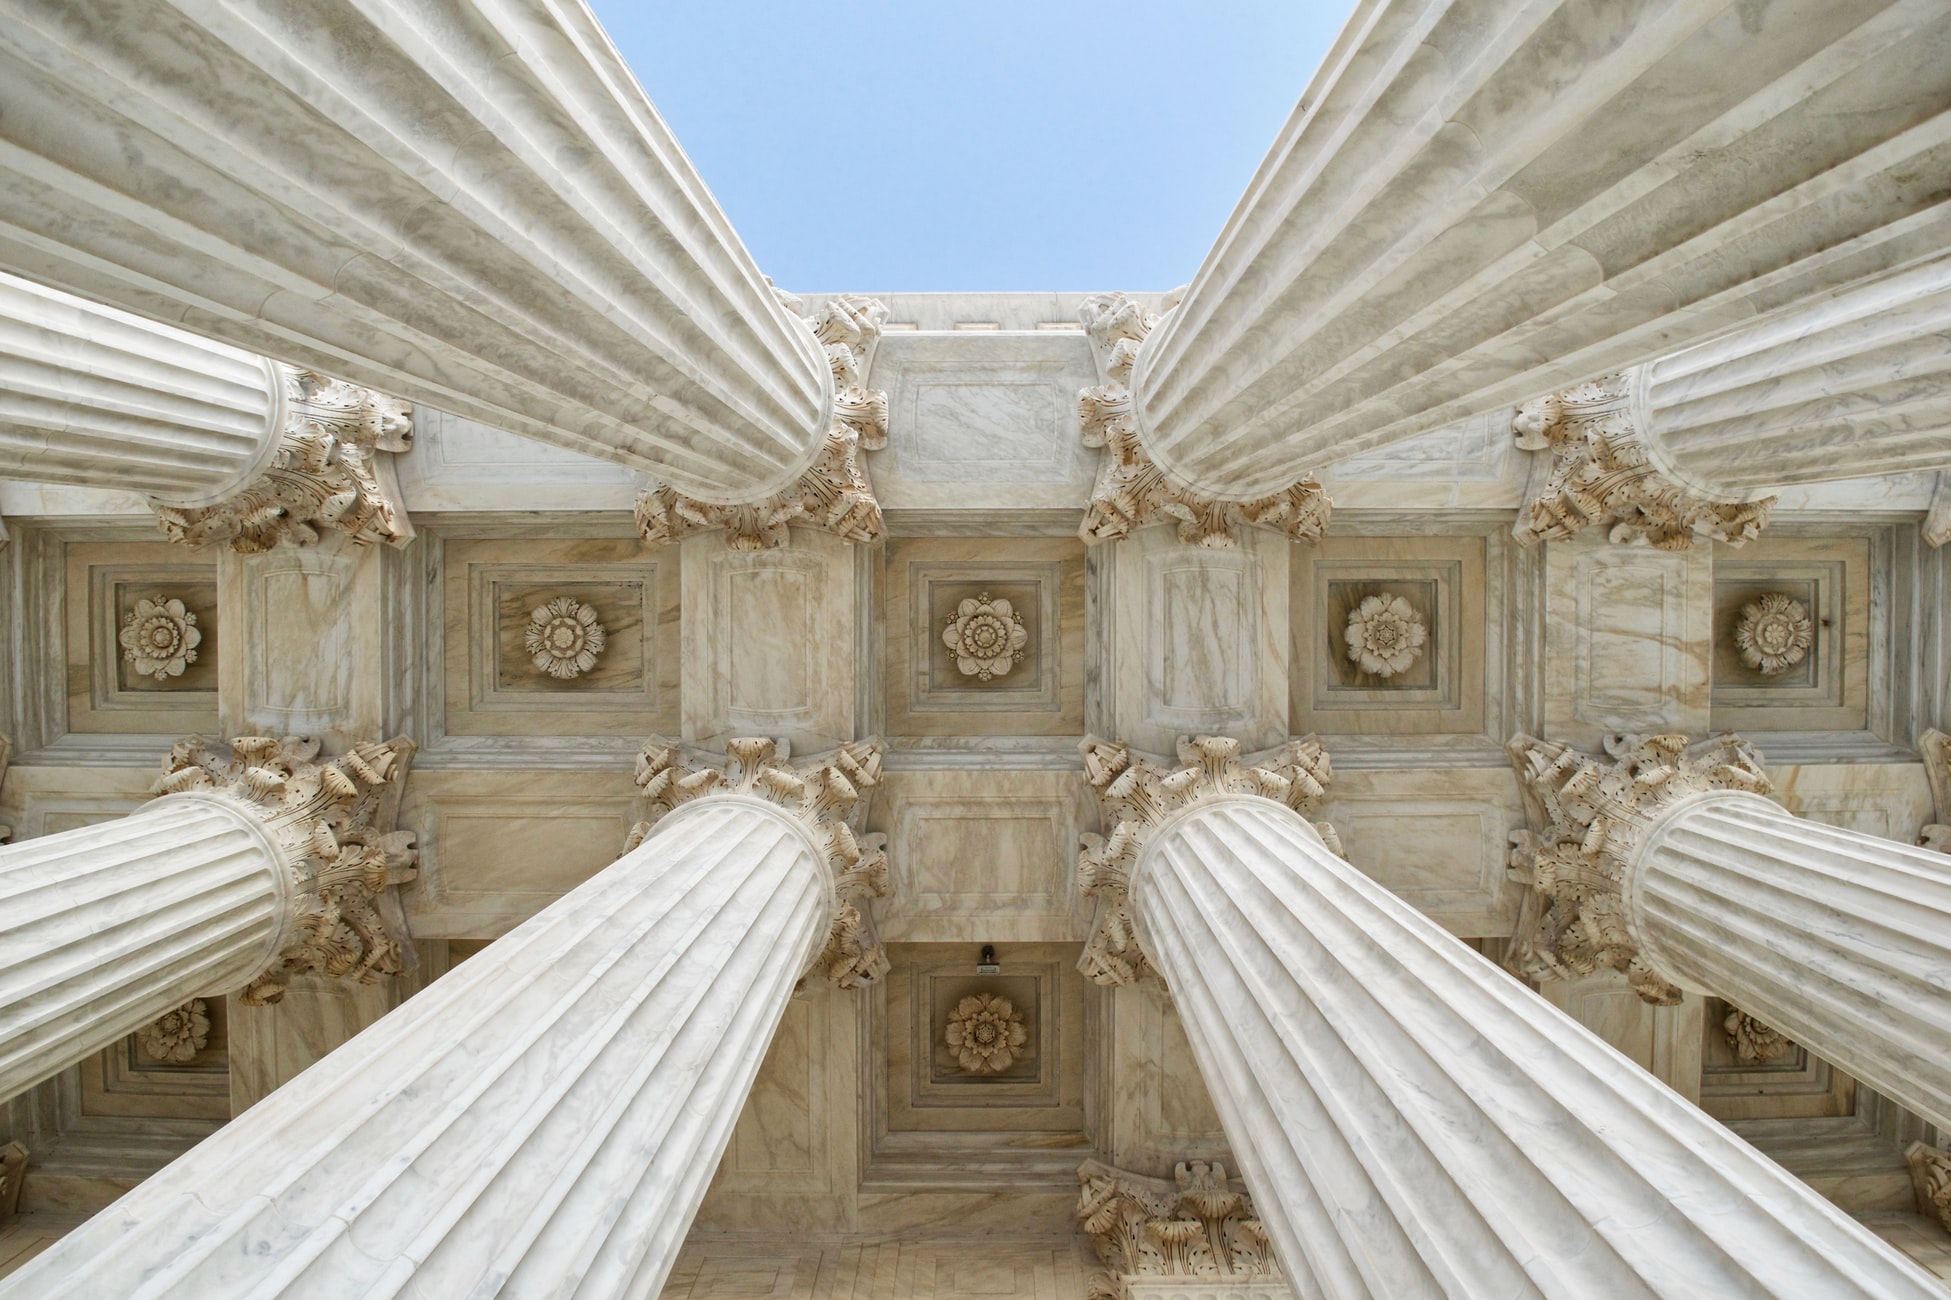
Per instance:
{"type": "Point", "coordinates": [1161, 1109]}
{"type": "Point", "coordinates": [103, 582]}
{"type": "Point", "coordinates": [270, 1045]}
{"type": "Point", "coordinates": [123, 1080]}
{"type": "Point", "coordinates": [1628, 638]}
{"type": "Point", "coordinates": [983, 856]}
{"type": "Point", "coordinates": [926, 578]}
{"type": "Point", "coordinates": [1438, 838]}
{"type": "Point", "coordinates": [1888, 799]}
{"type": "Point", "coordinates": [769, 641]}
{"type": "Point", "coordinates": [971, 1268]}
{"type": "Point", "coordinates": [312, 657]}
{"type": "Point", "coordinates": [43, 799]}
{"type": "Point", "coordinates": [1798, 1085]}
{"type": "Point", "coordinates": [1199, 639]}
{"type": "Point", "coordinates": [496, 847]}
{"type": "Point", "coordinates": [1829, 689]}
{"type": "Point", "coordinates": [1664, 1041]}
{"type": "Point", "coordinates": [492, 686]}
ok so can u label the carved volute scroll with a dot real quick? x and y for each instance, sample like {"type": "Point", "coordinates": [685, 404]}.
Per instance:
{"type": "Point", "coordinates": [823, 793]}
{"type": "Point", "coordinates": [1590, 816]}
{"type": "Point", "coordinates": [1131, 489]}
{"type": "Point", "coordinates": [1198, 1226]}
{"type": "Point", "coordinates": [834, 493]}
{"type": "Point", "coordinates": [332, 820]}
{"type": "Point", "coordinates": [1137, 796]}
{"type": "Point", "coordinates": [1600, 473]}
{"type": "Point", "coordinates": [331, 470]}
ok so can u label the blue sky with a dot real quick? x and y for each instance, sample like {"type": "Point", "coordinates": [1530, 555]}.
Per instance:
{"type": "Point", "coordinates": [1013, 145]}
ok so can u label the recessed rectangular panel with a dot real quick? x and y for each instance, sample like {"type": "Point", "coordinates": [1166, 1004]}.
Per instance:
{"type": "Point", "coordinates": [770, 626]}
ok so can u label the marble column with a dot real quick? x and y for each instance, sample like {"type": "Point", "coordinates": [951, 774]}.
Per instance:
{"type": "Point", "coordinates": [469, 204]}
{"type": "Point", "coordinates": [545, 1117]}
{"type": "Point", "coordinates": [1849, 384]}
{"type": "Point", "coordinates": [229, 447]}
{"type": "Point", "coordinates": [256, 862]}
{"type": "Point", "coordinates": [1410, 1120]}
{"type": "Point", "coordinates": [1480, 200]}
{"type": "Point", "coordinates": [1666, 862]}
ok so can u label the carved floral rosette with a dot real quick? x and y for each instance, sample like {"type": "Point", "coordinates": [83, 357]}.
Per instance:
{"type": "Point", "coordinates": [330, 470]}
{"type": "Point", "coordinates": [1131, 489]}
{"type": "Point", "coordinates": [1137, 796]}
{"type": "Point", "coordinates": [1753, 1042]}
{"type": "Point", "coordinates": [332, 820]}
{"type": "Point", "coordinates": [175, 1037]}
{"type": "Point", "coordinates": [824, 794]}
{"type": "Point", "coordinates": [159, 637]}
{"type": "Point", "coordinates": [1593, 814]}
{"type": "Point", "coordinates": [1600, 473]}
{"type": "Point", "coordinates": [834, 493]}
{"type": "Point", "coordinates": [1196, 1226]}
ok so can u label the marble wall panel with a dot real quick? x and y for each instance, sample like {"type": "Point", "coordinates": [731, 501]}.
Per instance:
{"type": "Point", "coordinates": [1628, 639]}
{"type": "Point", "coordinates": [983, 419]}
{"type": "Point", "coordinates": [1888, 799]}
{"type": "Point", "coordinates": [1664, 1041]}
{"type": "Point", "coordinates": [492, 686]}
{"type": "Point", "coordinates": [926, 579]}
{"type": "Point", "coordinates": [769, 641]}
{"type": "Point", "coordinates": [462, 464]}
{"type": "Point", "coordinates": [748, 1268]}
{"type": "Point", "coordinates": [270, 1045]}
{"type": "Point", "coordinates": [123, 1080]}
{"type": "Point", "coordinates": [104, 582]}
{"type": "Point", "coordinates": [496, 847]}
{"type": "Point", "coordinates": [1473, 464]}
{"type": "Point", "coordinates": [45, 799]}
{"type": "Point", "coordinates": [1161, 1111]}
{"type": "Point", "coordinates": [1829, 689]}
{"type": "Point", "coordinates": [1797, 1085]}
{"type": "Point", "coordinates": [1198, 639]}
{"type": "Point", "coordinates": [1438, 838]}
{"type": "Point", "coordinates": [982, 856]}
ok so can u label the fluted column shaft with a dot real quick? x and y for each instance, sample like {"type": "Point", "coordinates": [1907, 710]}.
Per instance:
{"type": "Point", "coordinates": [97, 398]}
{"type": "Point", "coordinates": [1839, 940]}
{"type": "Point", "coordinates": [1481, 200]}
{"type": "Point", "coordinates": [1852, 384]}
{"type": "Point", "coordinates": [542, 1119]}
{"type": "Point", "coordinates": [468, 204]}
{"type": "Point", "coordinates": [106, 927]}
{"type": "Point", "coordinates": [1413, 1122]}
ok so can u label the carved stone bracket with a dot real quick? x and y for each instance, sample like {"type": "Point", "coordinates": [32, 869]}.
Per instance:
{"type": "Point", "coordinates": [1601, 473]}
{"type": "Point", "coordinates": [824, 793]}
{"type": "Point", "coordinates": [1131, 489]}
{"type": "Point", "coordinates": [1591, 815]}
{"type": "Point", "coordinates": [834, 493]}
{"type": "Point", "coordinates": [1195, 1227]}
{"type": "Point", "coordinates": [1934, 745]}
{"type": "Point", "coordinates": [1930, 1181]}
{"type": "Point", "coordinates": [332, 469]}
{"type": "Point", "coordinates": [332, 819]}
{"type": "Point", "coordinates": [1137, 796]}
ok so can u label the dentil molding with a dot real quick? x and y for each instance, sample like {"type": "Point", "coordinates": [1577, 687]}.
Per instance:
{"type": "Point", "coordinates": [1131, 489]}
{"type": "Point", "coordinates": [834, 493]}
{"type": "Point", "coordinates": [1138, 796]}
{"type": "Point", "coordinates": [1590, 817]}
{"type": "Point", "coordinates": [332, 469]}
{"type": "Point", "coordinates": [824, 794]}
{"type": "Point", "coordinates": [332, 821]}
{"type": "Point", "coordinates": [1601, 473]}
{"type": "Point", "coordinates": [1197, 1230]}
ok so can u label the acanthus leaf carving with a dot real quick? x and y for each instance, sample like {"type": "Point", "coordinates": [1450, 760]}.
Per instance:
{"type": "Point", "coordinates": [332, 820]}
{"type": "Point", "coordinates": [329, 471]}
{"type": "Point", "coordinates": [1137, 796]}
{"type": "Point", "coordinates": [1601, 473]}
{"type": "Point", "coordinates": [826, 795]}
{"type": "Point", "coordinates": [1197, 1226]}
{"type": "Point", "coordinates": [834, 493]}
{"type": "Point", "coordinates": [1590, 816]}
{"type": "Point", "coordinates": [1131, 489]}
{"type": "Point", "coordinates": [1933, 745]}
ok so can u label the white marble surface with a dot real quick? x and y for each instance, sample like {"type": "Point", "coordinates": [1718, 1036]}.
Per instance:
{"type": "Point", "coordinates": [481, 213]}
{"type": "Point", "coordinates": [1412, 1122]}
{"type": "Point", "coordinates": [95, 398]}
{"type": "Point", "coordinates": [1481, 200]}
{"type": "Point", "coordinates": [105, 927]}
{"type": "Point", "coordinates": [1848, 384]}
{"type": "Point", "coordinates": [543, 1117]}
{"type": "Point", "coordinates": [1838, 939]}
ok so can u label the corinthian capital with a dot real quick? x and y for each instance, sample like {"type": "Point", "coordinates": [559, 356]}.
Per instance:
{"type": "Point", "coordinates": [332, 469]}
{"type": "Point", "coordinates": [1601, 473]}
{"type": "Point", "coordinates": [1590, 816]}
{"type": "Point", "coordinates": [1131, 489]}
{"type": "Point", "coordinates": [1138, 796]}
{"type": "Point", "coordinates": [825, 795]}
{"type": "Point", "coordinates": [1196, 1228]}
{"type": "Point", "coordinates": [834, 493]}
{"type": "Point", "coordinates": [332, 822]}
